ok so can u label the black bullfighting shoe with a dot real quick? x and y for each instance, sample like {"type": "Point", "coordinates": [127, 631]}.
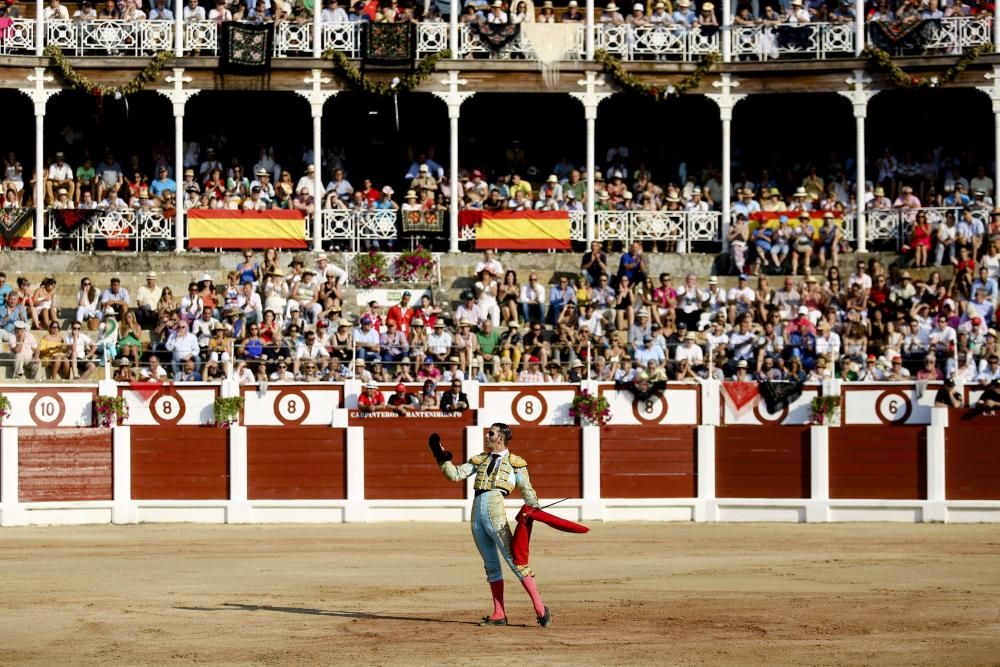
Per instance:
{"type": "Point", "coordinates": [491, 621]}
{"type": "Point", "coordinates": [545, 620]}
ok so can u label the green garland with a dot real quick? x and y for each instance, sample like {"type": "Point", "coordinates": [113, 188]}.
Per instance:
{"type": "Point", "coordinates": [357, 80]}
{"type": "Point", "coordinates": [614, 68]}
{"type": "Point", "coordinates": [883, 61]}
{"type": "Point", "coordinates": [79, 82]}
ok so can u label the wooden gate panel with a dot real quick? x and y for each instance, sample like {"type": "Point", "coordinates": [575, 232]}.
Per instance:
{"type": "Point", "coordinates": [180, 463]}
{"type": "Point", "coordinates": [878, 462]}
{"type": "Point", "coordinates": [65, 464]}
{"type": "Point", "coordinates": [649, 462]}
{"type": "Point", "coordinates": [762, 462]}
{"type": "Point", "coordinates": [301, 463]}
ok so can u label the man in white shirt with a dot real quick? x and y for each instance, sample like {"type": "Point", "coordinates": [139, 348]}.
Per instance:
{"type": "Point", "coordinates": [333, 13]}
{"type": "Point", "coordinates": [740, 299]}
{"type": "Point", "coordinates": [366, 340]}
{"type": "Point", "coordinates": [532, 299]}
{"type": "Point", "coordinates": [81, 350]}
{"type": "Point", "coordinates": [193, 11]}
{"type": "Point", "coordinates": [859, 277]}
{"type": "Point", "coordinates": [154, 372]}
{"type": "Point", "coordinates": [690, 352]}
{"type": "Point", "coordinates": [60, 174]}
{"type": "Point", "coordinates": [146, 299]}
{"type": "Point", "coordinates": [439, 342]}
{"type": "Point", "coordinates": [312, 350]}
{"type": "Point", "coordinates": [828, 343]}
{"type": "Point", "coordinates": [249, 302]}
{"type": "Point", "coordinates": [942, 337]}
{"type": "Point", "coordinates": [649, 352]}
{"type": "Point", "coordinates": [183, 345]}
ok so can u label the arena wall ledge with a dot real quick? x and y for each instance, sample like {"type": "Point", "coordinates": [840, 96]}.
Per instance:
{"type": "Point", "coordinates": [305, 453]}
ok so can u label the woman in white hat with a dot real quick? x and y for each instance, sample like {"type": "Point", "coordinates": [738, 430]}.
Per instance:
{"type": "Point", "coordinates": [611, 16]}
{"type": "Point", "coordinates": [707, 18]}
{"type": "Point", "coordinates": [638, 16]}
{"type": "Point", "coordinates": [797, 14]}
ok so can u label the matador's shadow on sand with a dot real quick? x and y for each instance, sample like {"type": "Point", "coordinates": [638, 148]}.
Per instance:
{"type": "Point", "coordinates": [235, 606]}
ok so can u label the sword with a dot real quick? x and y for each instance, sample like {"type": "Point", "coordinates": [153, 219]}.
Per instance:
{"type": "Point", "coordinates": [555, 503]}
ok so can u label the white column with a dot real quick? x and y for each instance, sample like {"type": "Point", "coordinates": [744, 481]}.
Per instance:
{"type": "Point", "coordinates": [705, 509]}
{"type": "Point", "coordinates": [317, 27]}
{"type": "Point", "coordinates": [123, 510]}
{"type": "Point", "coordinates": [859, 26]}
{"type": "Point", "coordinates": [817, 511]}
{"type": "Point", "coordinates": [453, 46]}
{"type": "Point", "coordinates": [936, 509]}
{"type": "Point", "coordinates": [859, 97]}
{"type": "Point", "coordinates": [591, 100]}
{"type": "Point", "coordinates": [726, 31]}
{"type": "Point", "coordinates": [453, 97]}
{"type": "Point", "coordinates": [238, 510]}
{"type": "Point", "coordinates": [726, 100]}
{"type": "Point", "coordinates": [39, 28]}
{"type": "Point", "coordinates": [592, 508]}
{"type": "Point", "coordinates": [39, 95]}
{"type": "Point", "coordinates": [179, 96]}
{"type": "Point", "coordinates": [317, 98]}
{"type": "Point", "coordinates": [178, 34]}
{"type": "Point", "coordinates": [356, 510]}
{"type": "Point", "coordinates": [11, 513]}
{"type": "Point", "coordinates": [588, 37]}
{"type": "Point", "coordinates": [993, 91]}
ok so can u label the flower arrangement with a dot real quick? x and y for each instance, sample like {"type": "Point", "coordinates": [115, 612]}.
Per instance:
{"type": "Point", "coordinates": [80, 82]}
{"type": "Point", "coordinates": [883, 61]}
{"type": "Point", "coordinates": [110, 410]}
{"type": "Point", "coordinates": [417, 265]}
{"type": "Point", "coordinates": [371, 269]}
{"type": "Point", "coordinates": [824, 410]}
{"type": "Point", "coordinates": [4, 408]}
{"type": "Point", "coordinates": [627, 81]}
{"type": "Point", "coordinates": [357, 80]}
{"type": "Point", "coordinates": [226, 411]}
{"type": "Point", "coordinates": [590, 408]}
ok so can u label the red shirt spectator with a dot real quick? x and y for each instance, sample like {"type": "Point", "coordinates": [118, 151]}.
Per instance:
{"type": "Point", "coordinates": [370, 398]}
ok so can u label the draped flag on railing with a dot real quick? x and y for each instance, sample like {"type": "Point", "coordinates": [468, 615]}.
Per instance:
{"type": "Point", "coordinates": [771, 219]}
{"type": "Point", "coordinates": [17, 228]}
{"type": "Point", "coordinates": [276, 228]}
{"type": "Point", "coordinates": [524, 230]}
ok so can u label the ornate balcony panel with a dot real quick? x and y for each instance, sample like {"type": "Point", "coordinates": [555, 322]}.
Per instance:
{"type": "Point", "coordinates": [704, 226]}
{"type": "Point", "coordinates": [109, 37]}
{"type": "Point", "coordinates": [338, 225]}
{"type": "Point", "coordinates": [656, 41]}
{"type": "Point", "coordinates": [376, 225]}
{"type": "Point", "coordinates": [156, 36]}
{"type": "Point", "coordinates": [612, 225]}
{"type": "Point", "coordinates": [62, 34]}
{"type": "Point", "coordinates": [201, 37]}
{"type": "Point", "coordinates": [613, 39]}
{"type": "Point", "coordinates": [578, 225]}
{"type": "Point", "coordinates": [658, 225]}
{"type": "Point", "coordinates": [431, 38]}
{"type": "Point", "coordinates": [343, 37]}
{"type": "Point", "coordinates": [815, 40]}
{"type": "Point", "coordinates": [19, 38]}
{"type": "Point", "coordinates": [293, 38]}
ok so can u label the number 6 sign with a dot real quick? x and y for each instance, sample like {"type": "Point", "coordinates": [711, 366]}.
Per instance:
{"type": "Point", "coordinates": [893, 406]}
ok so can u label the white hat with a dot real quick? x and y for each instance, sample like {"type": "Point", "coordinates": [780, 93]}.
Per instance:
{"type": "Point", "coordinates": [637, 7]}
{"type": "Point", "coordinates": [799, 191]}
{"type": "Point", "coordinates": [743, 362]}
{"type": "Point", "coordinates": [387, 190]}
{"type": "Point", "coordinates": [423, 167]}
{"type": "Point", "coordinates": [410, 194]}
{"type": "Point", "coordinates": [709, 7]}
{"type": "Point", "coordinates": [576, 364]}
{"type": "Point", "coordinates": [713, 280]}
{"type": "Point", "coordinates": [612, 7]}
{"type": "Point", "coordinates": [371, 385]}
{"type": "Point", "coordinates": [151, 274]}
{"type": "Point", "coordinates": [322, 257]}
{"type": "Point", "coordinates": [204, 277]}
{"type": "Point", "coordinates": [19, 324]}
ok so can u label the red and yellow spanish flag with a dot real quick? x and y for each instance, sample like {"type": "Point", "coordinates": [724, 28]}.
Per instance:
{"type": "Point", "coordinates": [773, 219]}
{"type": "Point", "coordinates": [276, 228]}
{"type": "Point", "coordinates": [524, 230]}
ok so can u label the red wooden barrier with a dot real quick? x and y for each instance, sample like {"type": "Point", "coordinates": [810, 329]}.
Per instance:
{"type": "Point", "coordinates": [398, 464]}
{"type": "Point", "coordinates": [762, 462]}
{"type": "Point", "coordinates": [300, 463]}
{"type": "Point", "coordinates": [554, 455]}
{"type": "Point", "coordinates": [649, 462]}
{"type": "Point", "coordinates": [879, 462]}
{"type": "Point", "coordinates": [180, 463]}
{"type": "Point", "coordinates": [64, 464]}
{"type": "Point", "coordinates": [972, 456]}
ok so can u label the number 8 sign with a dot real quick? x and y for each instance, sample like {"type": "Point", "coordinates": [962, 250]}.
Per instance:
{"type": "Point", "coordinates": [167, 408]}
{"type": "Point", "coordinates": [529, 408]}
{"type": "Point", "coordinates": [291, 407]}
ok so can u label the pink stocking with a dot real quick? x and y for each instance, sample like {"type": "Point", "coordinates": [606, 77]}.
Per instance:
{"type": "Point", "coordinates": [496, 587]}
{"type": "Point", "coordinates": [536, 600]}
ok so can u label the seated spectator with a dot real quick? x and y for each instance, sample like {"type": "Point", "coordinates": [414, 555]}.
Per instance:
{"type": "Point", "coordinates": [455, 400]}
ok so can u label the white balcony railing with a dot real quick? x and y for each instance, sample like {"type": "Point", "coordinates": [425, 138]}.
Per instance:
{"type": "Point", "coordinates": [651, 42]}
{"type": "Point", "coordinates": [126, 229]}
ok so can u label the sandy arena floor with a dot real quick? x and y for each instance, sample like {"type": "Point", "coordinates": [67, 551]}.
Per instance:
{"type": "Point", "coordinates": [411, 594]}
